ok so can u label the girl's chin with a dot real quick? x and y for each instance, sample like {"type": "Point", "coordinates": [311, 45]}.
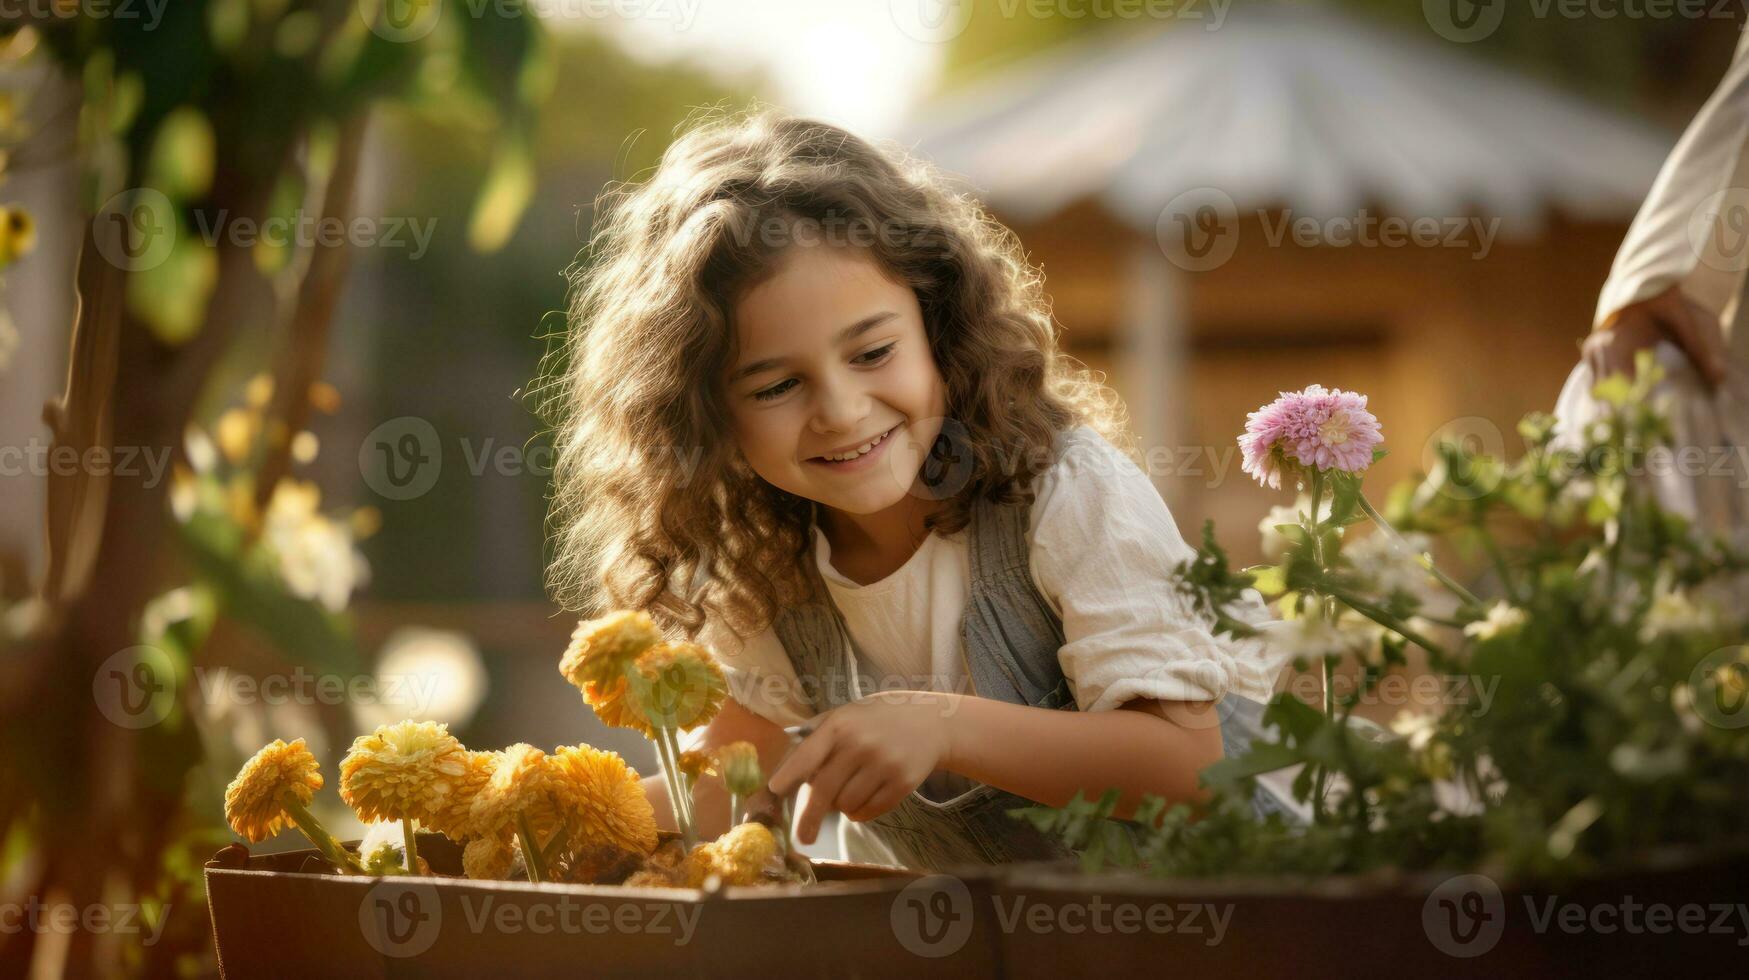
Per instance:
{"type": "Point", "coordinates": [866, 500]}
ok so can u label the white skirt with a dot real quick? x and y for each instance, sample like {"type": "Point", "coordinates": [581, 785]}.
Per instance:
{"type": "Point", "coordinates": [1705, 474]}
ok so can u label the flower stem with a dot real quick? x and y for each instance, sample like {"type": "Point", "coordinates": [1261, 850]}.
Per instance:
{"type": "Point", "coordinates": [324, 842]}
{"type": "Point", "coordinates": [1426, 561]}
{"type": "Point", "coordinates": [668, 751]}
{"type": "Point", "coordinates": [408, 836]}
{"type": "Point", "coordinates": [1390, 622]}
{"type": "Point", "coordinates": [1326, 610]}
{"type": "Point", "coordinates": [531, 853]}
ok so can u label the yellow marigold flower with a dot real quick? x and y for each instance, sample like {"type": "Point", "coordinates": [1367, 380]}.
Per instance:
{"type": "Point", "coordinates": [739, 762]}
{"type": "Point", "coordinates": [255, 800]}
{"type": "Point", "coordinates": [601, 801]}
{"type": "Point", "coordinates": [614, 707]}
{"type": "Point", "coordinates": [236, 432]}
{"type": "Point", "coordinates": [17, 234]}
{"type": "Point", "coordinates": [461, 777]}
{"type": "Point", "coordinates": [489, 858]}
{"type": "Point", "coordinates": [521, 778]}
{"type": "Point", "coordinates": [738, 857]}
{"type": "Point", "coordinates": [677, 685]}
{"type": "Point", "coordinates": [601, 648]}
{"type": "Point", "coordinates": [649, 878]}
{"type": "Point", "coordinates": [400, 771]}
{"type": "Point", "coordinates": [698, 763]}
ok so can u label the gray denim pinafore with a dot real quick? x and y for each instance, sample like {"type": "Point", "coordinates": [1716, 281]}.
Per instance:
{"type": "Point", "coordinates": [1010, 638]}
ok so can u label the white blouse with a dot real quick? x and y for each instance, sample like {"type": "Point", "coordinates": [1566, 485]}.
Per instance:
{"type": "Point", "coordinates": [1104, 553]}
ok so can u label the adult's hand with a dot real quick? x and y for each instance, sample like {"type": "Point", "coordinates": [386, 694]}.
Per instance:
{"type": "Point", "coordinates": [1667, 316]}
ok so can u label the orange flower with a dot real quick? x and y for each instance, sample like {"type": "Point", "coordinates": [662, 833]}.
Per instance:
{"type": "Point", "coordinates": [677, 686]}
{"type": "Point", "coordinates": [255, 800]}
{"type": "Point", "coordinates": [519, 784]}
{"type": "Point", "coordinates": [461, 777]}
{"type": "Point", "coordinates": [599, 798]}
{"type": "Point", "coordinates": [738, 857]}
{"type": "Point", "coordinates": [601, 648]}
{"type": "Point", "coordinates": [401, 772]}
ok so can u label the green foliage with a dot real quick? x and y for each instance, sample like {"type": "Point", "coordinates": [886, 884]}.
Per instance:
{"type": "Point", "coordinates": [1599, 709]}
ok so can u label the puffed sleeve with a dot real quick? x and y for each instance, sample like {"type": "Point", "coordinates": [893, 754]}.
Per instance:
{"type": "Point", "coordinates": [1659, 250]}
{"type": "Point", "coordinates": [1105, 552]}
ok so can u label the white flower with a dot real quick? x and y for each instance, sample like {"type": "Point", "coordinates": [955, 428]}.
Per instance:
{"type": "Point", "coordinates": [1316, 637]}
{"type": "Point", "coordinates": [316, 557]}
{"type": "Point", "coordinates": [1275, 544]}
{"type": "Point", "coordinates": [1672, 614]}
{"type": "Point", "coordinates": [1416, 726]}
{"type": "Point", "coordinates": [202, 454]}
{"type": "Point", "coordinates": [1391, 567]}
{"type": "Point", "coordinates": [1503, 619]}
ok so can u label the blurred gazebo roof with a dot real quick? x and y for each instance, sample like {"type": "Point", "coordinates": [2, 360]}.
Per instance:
{"type": "Point", "coordinates": [1305, 108]}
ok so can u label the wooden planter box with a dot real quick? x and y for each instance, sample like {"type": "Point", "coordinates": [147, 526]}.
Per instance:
{"type": "Point", "coordinates": [270, 920]}
{"type": "Point", "coordinates": [1022, 921]}
{"type": "Point", "coordinates": [1393, 925]}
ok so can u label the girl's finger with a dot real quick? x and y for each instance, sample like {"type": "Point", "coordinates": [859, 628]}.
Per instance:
{"type": "Point", "coordinates": [886, 798]}
{"type": "Point", "coordinates": [823, 788]}
{"type": "Point", "coordinates": [857, 792]}
{"type": "Point", "coordinates": [801, 764]}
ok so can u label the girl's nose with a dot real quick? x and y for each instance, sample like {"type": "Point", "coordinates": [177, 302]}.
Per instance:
{"type": "Point", "coordinates": [839, 408]}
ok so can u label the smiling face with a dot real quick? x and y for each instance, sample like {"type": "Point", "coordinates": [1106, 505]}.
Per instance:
{"type": "Point", "coordinates": [832, 358]}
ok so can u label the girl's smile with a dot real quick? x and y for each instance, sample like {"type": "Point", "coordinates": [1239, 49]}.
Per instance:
{"type": "Point", "coordinates": [855, 458]}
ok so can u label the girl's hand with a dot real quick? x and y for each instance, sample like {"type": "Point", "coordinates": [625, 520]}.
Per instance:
{"type": "Point", "coordinates": [864, 758]}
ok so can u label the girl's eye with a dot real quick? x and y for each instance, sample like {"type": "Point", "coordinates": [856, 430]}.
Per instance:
{"type": "Point", "coordinates": [877, 354]}
{"type": "Point", "coordinates": [775, 390]}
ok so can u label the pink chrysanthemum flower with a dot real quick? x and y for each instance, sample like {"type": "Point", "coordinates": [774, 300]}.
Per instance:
{"type": "Point", "coordinates": [1328, 429]}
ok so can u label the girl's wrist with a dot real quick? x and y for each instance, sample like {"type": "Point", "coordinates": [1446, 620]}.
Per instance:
{"type": "Point", "coordinates": [951, 708]}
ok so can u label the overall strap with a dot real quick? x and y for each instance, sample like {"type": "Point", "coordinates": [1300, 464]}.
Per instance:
{"type": "Point", "coordinates": [818, 645]}
{"type": "Point", "coordinates": [1009, 633]}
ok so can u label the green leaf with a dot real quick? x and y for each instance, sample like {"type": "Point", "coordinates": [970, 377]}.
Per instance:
{"type": "Point", "coordinates": [1261, 758]}
{"type": "Point", "coordinates": [1614, 390]}
{"type": "Point", "coordinates": [1271, 580]}
{"type": "Point", "coordinates": [503, 198]}
{"type": "Point", "coordinates": [171, 296]}
{"type": "Point", "coordinates": [181, 161]}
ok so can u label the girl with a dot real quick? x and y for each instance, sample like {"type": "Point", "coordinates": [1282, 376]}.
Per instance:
{"type": "Point", "coordinates": [814, 416]}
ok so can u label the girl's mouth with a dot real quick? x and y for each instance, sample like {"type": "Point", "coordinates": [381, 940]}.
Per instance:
{"type": "Point", "coordinates": [861, 460]}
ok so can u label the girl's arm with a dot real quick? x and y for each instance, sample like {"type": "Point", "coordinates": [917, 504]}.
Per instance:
{"type": "Point", "coordinates": [865, 757]}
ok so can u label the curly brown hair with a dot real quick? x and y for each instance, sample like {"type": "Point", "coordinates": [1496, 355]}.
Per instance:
{"type": "Point", "coordinates": [649, 488]}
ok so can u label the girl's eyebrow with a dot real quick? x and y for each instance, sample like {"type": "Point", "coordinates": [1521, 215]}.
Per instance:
{"type": "Point", "coordinates": [846, 335]}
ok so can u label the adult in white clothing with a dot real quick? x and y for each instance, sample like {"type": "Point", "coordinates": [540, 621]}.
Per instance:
{"type": "Point", "coordinates": [1676, 288]}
